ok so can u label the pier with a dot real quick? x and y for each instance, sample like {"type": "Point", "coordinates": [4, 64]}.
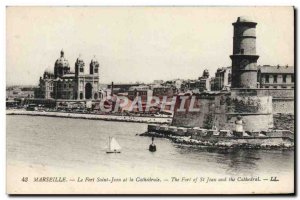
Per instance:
{"type": "Point", "coordinates": [222, 138]}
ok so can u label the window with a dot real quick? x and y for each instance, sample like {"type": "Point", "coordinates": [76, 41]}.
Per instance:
{"type": "Point", "coordinates": [242, 51]}
{"type": "Point", "coordinates": [283, 86]}
{"type": "Point", "coordinates": [96, 70]}
{"type": "Point", "coordinates": [292, 76]}
{"type": "Point", "coordinates": [95, 96]}
{"type": "Point", "coordinates": [284, 78]}
{"type": "Point", "coordinates": [275, 79]}
{"type": "Point", "coordinates": [229, 78]}
{"type": "Point", "coordinates": [81, 69]}
{"type": "Point", "coordinates": [267, 78]}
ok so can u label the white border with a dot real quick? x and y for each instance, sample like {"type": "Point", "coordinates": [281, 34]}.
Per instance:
{"type": "Point", "coordinates": [5, 3]}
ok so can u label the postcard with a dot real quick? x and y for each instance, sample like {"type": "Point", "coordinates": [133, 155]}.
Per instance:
{"type": "Point", "coordinates": [150, 100]}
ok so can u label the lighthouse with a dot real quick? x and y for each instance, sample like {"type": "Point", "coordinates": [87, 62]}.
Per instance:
{"type": "Point", "coordinates": [244, 58]}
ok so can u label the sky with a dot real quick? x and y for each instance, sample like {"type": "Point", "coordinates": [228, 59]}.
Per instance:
{"type": "Point", "coordinates": [139, 43]}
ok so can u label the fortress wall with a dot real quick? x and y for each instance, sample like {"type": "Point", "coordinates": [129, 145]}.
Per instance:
{"type": "Point", "coordinates": [283, 106]}
{"type": "Point", "coordinates": [202, 118]}
{"type": "Point", "coordinates": [277, 93]}
{"type": "Point", "coordinates": [249, 104]}
{"type": "Point", "coordinates": [284, 122]}
{"type": "Point", "coordinates": [256, 112]}
{"type": "Point", "coordinates": [222, 111]}
{"type": "Point", "coordinates": [251, 122]}
{"type": "Point", "coordinates": [283, 99]}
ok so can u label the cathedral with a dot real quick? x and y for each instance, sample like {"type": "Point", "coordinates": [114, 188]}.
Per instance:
{"type": "Point", "coordinates": [65, 84]}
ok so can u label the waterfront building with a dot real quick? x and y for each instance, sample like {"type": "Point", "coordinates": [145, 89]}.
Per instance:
{"type": "Point", "coordinates": [19, 92]}
{"type": "Point", "coordinates": [140, 93]}
{"type": "Point", "coordinates": [204, 82]}
{"type": "Point", "coordinates": [190, 85]}
{"type": "Point", "coordinates": [121, 87]}
{"type": "Point", "coordinates": [46, 83]}
{"type": "Point", "coordinates": [213, 84]}
{"type": "Point", "coordinates": [143, 91]}
{"type": "Point", "coordinates": [177, 83]}
{"type": "Point", "coordinates": [65, 84]}
{"type": "Point", "coordinates": [160, 91]}
{"type": "Point", "coordinates": [222, 79]}
{"type": "Point", "coordinates": [276, 77]}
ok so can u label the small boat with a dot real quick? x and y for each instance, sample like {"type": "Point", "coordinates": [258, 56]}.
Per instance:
{"type": "Point", "coordinates": [152, 146]}
{"type": "Point", "coordinates": [113, 146]}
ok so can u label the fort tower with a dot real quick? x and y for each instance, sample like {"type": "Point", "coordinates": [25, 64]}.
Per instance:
{"type": "Point", "coordinates": [244, 58]}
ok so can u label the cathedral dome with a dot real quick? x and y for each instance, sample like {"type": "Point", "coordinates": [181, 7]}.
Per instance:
{"type": "Point", "coordinates": [61, 66]}
{"type": "Point", "coordinates": [62, 61]}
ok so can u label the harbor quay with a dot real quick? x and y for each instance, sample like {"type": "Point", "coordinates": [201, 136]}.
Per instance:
{"type": "Point", "coordinates": [223, 138]}
{"type": "Point", "coordinates": [136, 119]}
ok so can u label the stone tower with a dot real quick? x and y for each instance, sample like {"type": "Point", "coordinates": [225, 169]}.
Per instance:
{"type": "Point", "coordinates": [244, 58]}
{"type": "Point", "coordinates": [94, 66]}
{"type": "Point", "coordinates": [79, 66]}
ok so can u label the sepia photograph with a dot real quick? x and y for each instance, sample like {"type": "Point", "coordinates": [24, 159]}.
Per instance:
{"type": "Point", "coordinates": [150, 100]}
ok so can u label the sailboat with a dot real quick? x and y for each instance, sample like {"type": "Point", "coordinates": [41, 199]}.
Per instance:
{"type": "Point", "coordinates": [113, 146]}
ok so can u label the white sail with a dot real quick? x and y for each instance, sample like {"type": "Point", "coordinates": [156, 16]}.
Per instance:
{"type": "Point", "coordinates": [114, 145]}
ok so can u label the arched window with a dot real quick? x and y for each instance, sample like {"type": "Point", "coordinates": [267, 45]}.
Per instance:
{"type": "Point", "coordinates": [88, 91]}
{"type": "Point", "coordinates": [95, 96]}
{"type": "Point", "coordinates": [91, 69]}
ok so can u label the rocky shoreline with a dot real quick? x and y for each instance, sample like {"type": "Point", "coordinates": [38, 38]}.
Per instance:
{"type": "Point", "coordinates": [220, 144]}
{"type": "Point", "coordinates": [284, 121]}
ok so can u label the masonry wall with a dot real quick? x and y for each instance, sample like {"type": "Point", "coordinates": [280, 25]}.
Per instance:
{"type": "Point", "coordinates": [256, 112]}
{"type": "Point", "coordinates": [222, 111]}
{"type": "Point", "coordinates": [203, 118]}
{"type": "Point", "coordinates": [284, 122]}
{"type": "Point", "coordinates": [276, 93]}
{"type": "Point", "coordinates": [285, 106]}
{"type": "Point", "coordinates": [283, 99]}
